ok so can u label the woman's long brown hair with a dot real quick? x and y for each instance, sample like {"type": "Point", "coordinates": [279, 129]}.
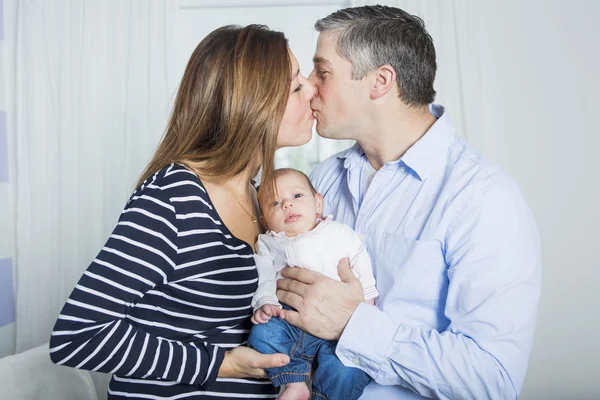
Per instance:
{"type": "Point", "coordinates": [229, 105]}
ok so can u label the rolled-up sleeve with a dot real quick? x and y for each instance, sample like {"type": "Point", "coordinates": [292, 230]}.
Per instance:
{"type": "Point", "coordinates": [267, 276]}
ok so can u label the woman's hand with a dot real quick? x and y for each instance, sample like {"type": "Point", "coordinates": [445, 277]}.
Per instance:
{"type": "Point", "coordinates": [244, 362]}
{"type": "Point", "coordinates": [264, 314]}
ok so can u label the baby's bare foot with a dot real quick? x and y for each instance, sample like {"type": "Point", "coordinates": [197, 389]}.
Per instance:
{"type": "Point", "coordinates": [295, 391]}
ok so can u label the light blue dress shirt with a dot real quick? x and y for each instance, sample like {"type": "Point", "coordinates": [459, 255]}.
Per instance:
{"type": "Point", "coordinates": [457, 260]}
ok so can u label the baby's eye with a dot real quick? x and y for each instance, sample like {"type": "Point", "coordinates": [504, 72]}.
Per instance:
{"type": "Point", "coordinates": [275, 203]}
{"type": "Point", "coordinates": [297, 195]}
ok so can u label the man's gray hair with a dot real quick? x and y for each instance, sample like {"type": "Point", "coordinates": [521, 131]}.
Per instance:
{"type": "Point", "coordinates": [372, 36]}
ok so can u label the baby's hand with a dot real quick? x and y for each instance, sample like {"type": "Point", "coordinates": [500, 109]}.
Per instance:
{"type": "Point", "coordinates": [264, 314]}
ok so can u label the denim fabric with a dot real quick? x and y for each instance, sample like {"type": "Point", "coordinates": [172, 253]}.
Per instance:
{"type": "Point", "coordinates": [332, 380]}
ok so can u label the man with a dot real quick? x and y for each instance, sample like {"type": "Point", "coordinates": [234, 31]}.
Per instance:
{"type": "Point", "coordinates": [454, 246]}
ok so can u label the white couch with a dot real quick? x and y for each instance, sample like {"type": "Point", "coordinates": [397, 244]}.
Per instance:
{"type": "Point", "coordinates": [31, 375]}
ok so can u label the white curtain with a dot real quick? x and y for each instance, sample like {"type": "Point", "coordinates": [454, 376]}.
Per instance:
{"type": "Point", "coordinates": [453, 27]}
{"type": "Point", "coordinates": [94, 83]}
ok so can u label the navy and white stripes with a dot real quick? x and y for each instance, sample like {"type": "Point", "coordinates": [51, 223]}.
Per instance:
{"type": "Point", "coordinates": [167, 295]}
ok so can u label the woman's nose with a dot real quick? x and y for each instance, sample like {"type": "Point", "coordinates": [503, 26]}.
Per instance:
{"type": "Point", "coordinates": [312, 78]}
{"type": "Point", "coordinates": [311, 89]}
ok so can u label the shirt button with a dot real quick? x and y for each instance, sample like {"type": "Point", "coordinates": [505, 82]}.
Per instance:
{"type": "Point", "coordinates": [402, 169]}
{"type": "Point", "coordinates": [356, 361]}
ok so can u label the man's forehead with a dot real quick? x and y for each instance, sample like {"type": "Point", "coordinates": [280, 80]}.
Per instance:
{"type": "Point", "coordinates": [317, 59]}
{"type": "Point", "coordinates": [326, 52]}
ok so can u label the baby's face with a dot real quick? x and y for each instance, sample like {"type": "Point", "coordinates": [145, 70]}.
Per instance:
{"type": "Point", "coordinates": [296, 208]}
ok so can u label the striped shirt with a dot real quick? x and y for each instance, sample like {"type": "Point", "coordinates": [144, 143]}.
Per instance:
{"type": "Point", "coordinates": [166, 296]}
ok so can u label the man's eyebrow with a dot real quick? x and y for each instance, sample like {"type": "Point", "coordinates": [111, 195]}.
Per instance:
{"type": "Point", "coordinates": [321, 60]}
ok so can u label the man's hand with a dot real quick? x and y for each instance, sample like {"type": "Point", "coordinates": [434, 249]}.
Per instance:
{"type": "Point", "coordinates": [264, 314]}
{"type": "Point", "coordinates": [324, 306]}
{"type": "Point", "coordinates": [244, 362]}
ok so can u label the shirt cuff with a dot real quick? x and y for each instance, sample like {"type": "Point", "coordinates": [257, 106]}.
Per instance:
{"type": "Point", "coordinates": [266, 300]}
{"type": "Point", "coordinates": [366, 340]}
{"type": "Point", "coordinates": [370, 292]}
{"type": "Point", "coordinates": [218, 355]}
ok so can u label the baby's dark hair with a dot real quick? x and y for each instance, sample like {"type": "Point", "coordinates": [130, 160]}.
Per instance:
{"type": "Point", "coordinates": [283, 171]}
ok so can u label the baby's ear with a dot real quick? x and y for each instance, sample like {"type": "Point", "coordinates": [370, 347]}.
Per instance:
{"type": "Point", "coordinates": [319, 202]}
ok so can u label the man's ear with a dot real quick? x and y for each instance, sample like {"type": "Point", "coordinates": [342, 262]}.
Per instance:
{"type": "Point", "coordinates": [319, 202]}
{"type": "Point", "coordinates": [384, 81]}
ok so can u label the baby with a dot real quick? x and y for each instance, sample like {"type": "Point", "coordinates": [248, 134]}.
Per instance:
{"type": "Point", "coordinates": [297, 236]}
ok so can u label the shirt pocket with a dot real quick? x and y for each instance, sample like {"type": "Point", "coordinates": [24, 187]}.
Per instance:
{"type": "Point", "coordinates": [411, 270]}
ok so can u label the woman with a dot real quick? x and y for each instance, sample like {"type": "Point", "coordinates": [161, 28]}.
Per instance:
{"type": "Point", "coordinates": [166, 303]}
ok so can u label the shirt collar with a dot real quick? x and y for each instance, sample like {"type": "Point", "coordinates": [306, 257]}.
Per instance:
{"type": "Point", "coordinates": [430, 152]}
{"type": "Point", "coordinates": [351, 154]}
{"type": "Point", "coordinates": [426, 155]}
{"type": "Point", "coordinates": [321, 223]}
